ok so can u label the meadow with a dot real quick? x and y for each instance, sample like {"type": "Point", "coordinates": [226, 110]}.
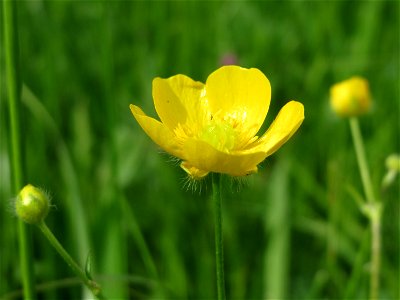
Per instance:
{"type": "Point", "coordinates": [291, 231]}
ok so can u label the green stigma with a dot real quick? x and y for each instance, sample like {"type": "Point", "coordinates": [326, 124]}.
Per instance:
{"type": "Point", "coordinates": [219, 135]}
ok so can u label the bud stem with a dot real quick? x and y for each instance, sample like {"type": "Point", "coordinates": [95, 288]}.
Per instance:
{"type": "Point", "coordinates": [219, 254]}
{"type": "Point", "coordinates": [92, 285]}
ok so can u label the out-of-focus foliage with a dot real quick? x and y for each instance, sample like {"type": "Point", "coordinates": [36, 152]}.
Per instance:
{"type": "Point", "coordinates": [292, 231]}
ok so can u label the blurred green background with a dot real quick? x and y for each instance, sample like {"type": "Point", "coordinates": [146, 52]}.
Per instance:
{"type": "Point", "coordinates": [292, 231]}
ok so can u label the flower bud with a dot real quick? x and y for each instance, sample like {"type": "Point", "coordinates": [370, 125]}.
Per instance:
{"type": "Point", "coordinates": [351, 97]}
{"type": "Point", "coordinates": [393, 162]}
{"type": "Point", "coordinates": [32, 205]}
{"type": "Point", "coordinates": [393, 168]}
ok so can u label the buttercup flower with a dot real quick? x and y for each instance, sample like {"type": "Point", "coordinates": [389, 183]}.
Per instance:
{"type": "Point", "coordinates": [212, 127]}
{"type": "Point", "coordinates": [351, 97]}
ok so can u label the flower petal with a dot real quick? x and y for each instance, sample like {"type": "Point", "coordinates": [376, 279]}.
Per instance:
{"type": "Point", "coordinates": [203, 156]}
{"type": "Point", "coordinates": [284, 126]}
{"type": "Point", "coordinates": [177, 99]}
{"type": "Point", "coordinates": [157, 131]}
{"type": "Point", "coordinates": [240, 96]}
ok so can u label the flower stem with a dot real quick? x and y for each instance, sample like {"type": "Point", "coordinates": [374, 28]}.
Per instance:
{"type": "Point", "coordinates": [361, 159]}
{"type": "Point", "coordinates": [376, 255]}
{"type": "Point", "coordinates": [219, 254]}
{"type": "Point", "coordinates": [92, 285]}
{"type": "Point", "coordinates": [13, 87]}
{"type": "Point", "coordinates": [372, 209]}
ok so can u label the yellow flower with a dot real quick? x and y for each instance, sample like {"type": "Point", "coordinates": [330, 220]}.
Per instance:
{"type": "Point", "coordinates": [351, 97]}
{"type": "Point", "coordinates": [212, 127]}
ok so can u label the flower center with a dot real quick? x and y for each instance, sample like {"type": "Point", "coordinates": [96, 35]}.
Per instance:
{"type": "Point", "coordinates": [220, 135]}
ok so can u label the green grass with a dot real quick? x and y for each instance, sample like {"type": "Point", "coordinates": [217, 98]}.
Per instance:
{"type": "Point", "coordinates": [292, 231]}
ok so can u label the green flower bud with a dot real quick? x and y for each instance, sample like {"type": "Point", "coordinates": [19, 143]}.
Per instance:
{"type": "Point", "coordinates": [393, 166]}
{"type": "Point", "coordinates": [393, 162]}
{"type": "Point", "coordinates": [32, 205]}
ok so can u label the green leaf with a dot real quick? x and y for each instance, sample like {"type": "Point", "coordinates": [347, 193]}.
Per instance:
{"type": "Point", "coordinates": [88, 265]}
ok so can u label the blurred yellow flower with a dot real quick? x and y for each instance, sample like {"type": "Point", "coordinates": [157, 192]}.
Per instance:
{"type": "Point", "coordinates": [351, 97]}
{"type": "Point", "coordinates": [212, 127]}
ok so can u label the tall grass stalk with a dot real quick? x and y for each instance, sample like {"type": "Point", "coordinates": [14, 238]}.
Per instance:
{"type": "Point", "coordinates": [354, 280]}
{"type": "Point", "coordinates": [115, 257]}
{"type": "Point", "coordinates": [13, 87]}
{"type": "Point", "coordinates": [277, 255]}
{"type": "Point", "coordinates": [139, 239]}
{"type": "Point", "coordinates": [219, 254]}
{"type": "Point", "coordinates": [372, 208]}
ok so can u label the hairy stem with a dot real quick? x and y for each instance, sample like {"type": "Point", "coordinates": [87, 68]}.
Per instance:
{"type": "Point", "coordinates": [92, 285]}
{"type": "Point", "coordinates": [219, 254]}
